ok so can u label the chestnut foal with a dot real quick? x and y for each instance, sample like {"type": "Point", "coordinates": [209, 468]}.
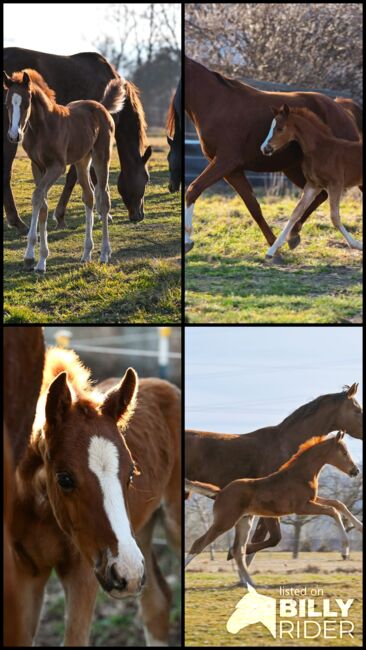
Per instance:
{"type": "Point", "coordinates": [293, 489]}
{"type": "Point", "coordinates": [328, 163]}
{"type": "Point", "coordinates": [55, 136]}
{"type": "Point", "coordinates": [83, 494]}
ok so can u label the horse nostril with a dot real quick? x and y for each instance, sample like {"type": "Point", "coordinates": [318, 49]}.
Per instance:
{"type": "Point", "coordinates": [143, 580]}
{"type": "Point", "coordinates": [119, 583]}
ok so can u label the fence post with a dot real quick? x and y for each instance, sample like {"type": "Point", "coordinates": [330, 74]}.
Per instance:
{"type": "Point", "coordinates": [63, 338]}
{"type": "Point", "coordinates": [164, 335]}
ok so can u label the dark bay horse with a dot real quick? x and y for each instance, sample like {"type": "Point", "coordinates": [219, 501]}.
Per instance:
{"type": "Point", "coordinates": [220, 458]}
{"type": "Point", "coordinates": [174, 128]}
{"type": "Point", "coordinates": [292, 489]}
{"type": "Point", "coordinates": [232, 120]}
{"type": "Point", "coordinates": [98, 467]}
{"type": "Point", "coordinates": [55, 136]}
{"type": "Point", "coordinates": [84, 76]}
{"type": "Point", "coordinates": [329, 163]}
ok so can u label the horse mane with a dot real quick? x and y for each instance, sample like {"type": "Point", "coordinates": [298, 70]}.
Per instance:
{"type": "Point", "coordinates": [226, 81]}
{"type": "Point", "coordinates": [308, 444]}
{"type": "Point", "coordinates": [61, 360]}
{"type": "Point", "coordinates": [40, 89]}
{"type": "Point", "coordinates": [133, 99]}
{"type": "Point", "coordinates": [313, 118]}
{"type": "Point", "coordinates": [311, 407]}
{"type": "Point", "coordinates": [170, 120]}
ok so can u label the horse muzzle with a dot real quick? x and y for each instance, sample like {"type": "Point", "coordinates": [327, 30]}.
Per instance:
{"type": "Point", "coordinates": [15, 139]}
{"type": "Point", "coordinates": [267, 150]}
{"type": "Point", "coordinates": [135, 217]}
{"type": "Point", "coordinates": [354, 471]}
{"type": "Point", "coordinates": [118, 585]}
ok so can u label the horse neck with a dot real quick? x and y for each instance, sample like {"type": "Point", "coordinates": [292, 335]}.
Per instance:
{"type": "Point", "coordinates": [128, 133]}
{"type": "Point", "coordinates": [294, 432]}
{"type": "Point", "coordinates": [309, 463]}
{"type": "Point", "coordinates": [201, 89]}
{"type": "Point", "coordinates": [40, 110]}
{"type": "Point", "coordinates": [308, 135]}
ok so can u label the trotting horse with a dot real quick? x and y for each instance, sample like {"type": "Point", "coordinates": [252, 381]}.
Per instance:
{"type": "Point", "coordinates": [293, 489]}
{"type": "Point", "coordinates": [174, 127]}
{"type": "Point", "coordinates": [232, 119]}
{"type": "Point", "coordinates": [55, 136]}
{"type": "Point", "coordinates": [329, 163]}
{"type": "Point", "coordinates": [220, 457]}
{"type": "Point", "coordinates": [85, 76]}
{"type": "Point", "coordinates": [97, 468]}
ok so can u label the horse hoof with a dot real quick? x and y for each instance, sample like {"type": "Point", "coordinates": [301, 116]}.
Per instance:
{"type": "Point", "coordinates": [294, 241]}
{"type": "Point", "coordinates": [274, 259]}
{"type": "Point", "coordinates": [60, 225]}
{"type": "Point", "coordinates": [29, 263]}
{"type": "Point", "coordinates": [40, 271]}
{"type": "Point", "coordinates": [188, 247]}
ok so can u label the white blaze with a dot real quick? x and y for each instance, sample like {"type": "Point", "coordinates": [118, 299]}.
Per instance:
{"type": "Point", "coordinates": [104, 463]}
{"type": "Point", "coordinates": [16, 101]}
{"type": "Point", "coordinates": [270, 134]}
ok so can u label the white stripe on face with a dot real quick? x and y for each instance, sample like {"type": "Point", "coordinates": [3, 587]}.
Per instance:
{"type": "Point", "coordinates": [16, 101]}
{"type": "Point", "coordinates": [270, 134]}
{"type": "Point", "coordinates": [104, 463]}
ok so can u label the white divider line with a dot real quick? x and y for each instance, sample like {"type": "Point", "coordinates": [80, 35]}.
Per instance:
{"type": "Point", "coordinates": [122, 351]}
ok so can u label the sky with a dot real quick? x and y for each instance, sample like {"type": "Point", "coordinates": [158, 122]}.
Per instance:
{"type": "Point", "coordinates": [60, 28]}
{"type": "Point", "coordinates": [239, 379]}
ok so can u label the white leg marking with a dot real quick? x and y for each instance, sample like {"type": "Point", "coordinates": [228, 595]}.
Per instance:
{"type": "Point", "coordinates": [270, 134]}
{"type": "Point", "coordinates": [89, 244]}
{"type": "Point", "coordinates": [106, 247]}
{"type": "Point", "coordinates": [188, 224]}
{"type": "Point", "coordinates": [104, 462]}
{"type": "Point", "coordinates": [43, 250]}
{"type": "Point", "coordinates": [189, 558]}
{"type": "Point", "coordinates": [151, 640]}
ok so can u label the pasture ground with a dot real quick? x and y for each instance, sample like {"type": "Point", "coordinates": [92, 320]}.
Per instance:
{"type": "Point", "coordinates": [142, 284]}
{"type": "Point", "coordinates": [228, 281]}
{"type": "Point", "coordinates": [212, 592]}
{"type": "Point", "coordinates": [116, 622]}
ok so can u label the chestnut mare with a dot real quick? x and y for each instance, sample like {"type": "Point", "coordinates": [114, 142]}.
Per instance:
{"type": "Point", "coordinates": [220, 458]}
{"type": "Point", "coordinates": [292, 489]}
{"type": "Point", "coordinates": [174, 128]}
{"type": "Point", "coordinates": [55, 136]}
{"type": "Point", "coordinates": [23, 368]}
{"type": "Point", "coordinates": [97, 468]}
{"type": "Point", "coordinates": [85, 76]}
{"type": "Point", "coordinates": [232, 119]}
{"type": "Point", "coordinates": [328, 163]}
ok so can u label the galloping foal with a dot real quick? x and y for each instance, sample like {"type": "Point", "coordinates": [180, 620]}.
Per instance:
{"type": "Point", "coordinates": [293, 489]}
{"type": "Point", "coordinates": [328, 163]}
{"type": "Point", "coordinates": [55, 136]}
{"type": "Point", "coordinates": [97, 469]}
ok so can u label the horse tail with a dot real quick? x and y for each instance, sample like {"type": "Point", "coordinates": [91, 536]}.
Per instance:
{"type": "Point", "coordinates": [114, 96]}
{"type": "Point", "coordinates": [171, 119]}
{"type": "Point", "coordinates": [206, 489]}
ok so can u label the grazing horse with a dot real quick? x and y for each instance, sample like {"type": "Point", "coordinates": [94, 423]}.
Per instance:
{"type": "Point", "coordinates": [23, 367]}
{"type": "Point", "coordinates": [231, 119]}
{"type": "Point", "coordinates": [220, 458]}
{"type": "Point", "coordinates": [292, 489]}
{"type": "Point", "coordinates": [174, 128]}
{"type": "Point", "coordinates": [98, 467]}
{"type": "Point", "coordinates": [85, 76]}
{"type": "Point", "coordinates": [329, 164]}
{"type": "Point", "coordinates": [55, 136]}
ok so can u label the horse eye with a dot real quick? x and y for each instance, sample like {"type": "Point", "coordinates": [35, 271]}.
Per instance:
{"type": "Point", "coordinates": [65, 481]}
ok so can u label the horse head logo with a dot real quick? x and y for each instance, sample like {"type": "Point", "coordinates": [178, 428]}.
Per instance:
{"type": "Point", "coordinates": [253, 608]}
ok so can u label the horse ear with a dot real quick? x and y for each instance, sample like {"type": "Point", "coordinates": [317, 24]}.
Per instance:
{"type": "Point", "coordinates": [58, 401]}
{"type": "Point", "coordinates": [274, 110]}
{"type": "Point", "coordinates": [286, 110]}
{"type": "Point", "coordinates": [120, 402]}
{"type": "Point", "coordinates": [26, 80]}
{"type": "Point", "coordinates": [146, 155]}
{"type": "Point", "coordinates": [351, 392]}
{"type": "Point", "coordinates": [7, 81]}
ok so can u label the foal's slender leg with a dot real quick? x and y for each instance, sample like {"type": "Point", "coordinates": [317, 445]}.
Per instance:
{"type": "Point", "coordinates": [215, 171]}
{"type": "Point", "coordinates": [243, 528]}
{"type": "Point", "coordinates": [59, 213]}
{"type": "Point", "coordinates": [155, 599]}
{"type": "Point", "coordinates": [338, 505]}
{"type": "Point", "coordinates": [30, 595]}
{"type": "Point", "coordinates": [307, 197]}
{"type": "Point", "coordinates": [9, 154]}
{"type": "Point", "coordinates": [80, 586]}
{"type": "Point", "coordinates": [273, 539]}
{"type": "Point", "coordinates": [335, 193]}
{"type": "Point", "coordinates": [82, 168]}
{"type": "Point", "coordinates": [297, 177]}
{"type": "Point", "coordinates": [240, 183]}
{"type": "Point", "coordinates": [103, 199]}
{"type": "Point", "coordinates": [314, 508]}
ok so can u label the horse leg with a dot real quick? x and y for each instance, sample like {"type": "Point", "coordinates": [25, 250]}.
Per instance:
{"type": "Point", "coordinates": [242, 529]}
{"type": "Point", "coordinates": [241, 185]}
{"type": "Point", "coordinates": [82, 168]}
{"type": "Point", "coordinates": [316, 508]}
{"type": "Point", "coordinates": [155, 599]}
{"type": "Point", "coordinates": [297, 177]}
{"type": "Point", "coordinates": [216, 170]}
{"type": "Point", "coordinates": [334, 199]}
{"type": "Point", "coordinates": [338, 505]}
{"type": "Point", "coordinates": [274, 538]}
{"type": "Point", "coordinates": [80, 587]}
{"type": "Point", "coordinates": [102, 199]}
{"type": "Point", "coordinates": [307, 197]}
{"type": "Point", "coordinates": [59, 213]}
{"type": "Point", "coordinates": [30, 597]}
{"type": "Point", "coordinates": [11, 211]}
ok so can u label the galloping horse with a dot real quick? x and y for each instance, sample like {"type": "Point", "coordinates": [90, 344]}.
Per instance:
{"type": "Point", "coordinates": [232, 119]}
{"type": "Point", "coordinates": [54, 136]}
{"type": "Point", "coordinates": [98, 467]}
{"type": "Point", "coordinates": [292, 489]}
{"type": "Point", "coordinates": [220, 458]}
{"type": "Point", "coordinates": [85, 76]}
{"type": "Point", "coordinates": [328, 163]}
{"type": "Point", "coordinates": [174, 127]}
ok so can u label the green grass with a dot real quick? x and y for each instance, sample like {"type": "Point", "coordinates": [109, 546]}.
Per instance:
{"type": "Point", "coordinates": [140, 285]}
{"type": "Point", "coordinates": [227, 279]}
{"type": "Point", "coordinates": [211, 598]}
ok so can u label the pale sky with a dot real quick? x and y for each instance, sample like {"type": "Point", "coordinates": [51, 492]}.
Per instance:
{"type": "Point", "coordinates": [240, 379]}
{"type": "Point", "coordinates": [60, 28]}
